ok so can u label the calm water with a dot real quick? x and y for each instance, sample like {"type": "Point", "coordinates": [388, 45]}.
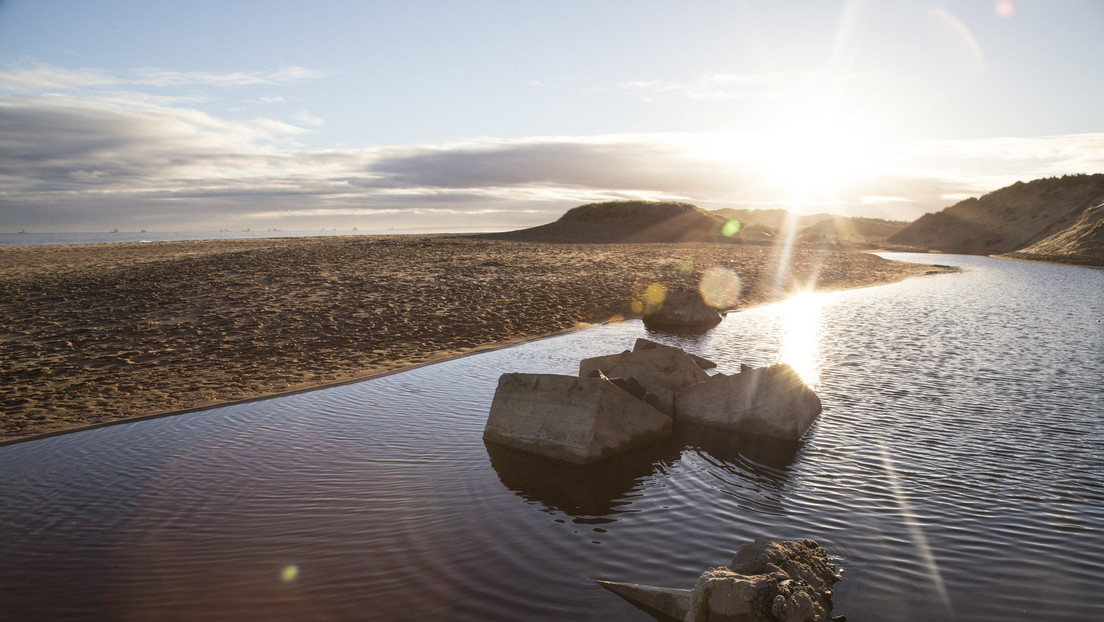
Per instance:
{"type": "Point", "coordinates": [956, 473]}
{"type": "Point", "coordinates": [45, 239]}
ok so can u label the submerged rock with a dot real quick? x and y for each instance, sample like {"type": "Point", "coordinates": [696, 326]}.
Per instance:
{"type": "Point", "coordinates": [767, 581]}
{"type": "Point", "coordinates": [767, 401]}
{"type": "Point", "coordinates": [580, 420]}
{"type": "Point", "coordinates": [682, 310]}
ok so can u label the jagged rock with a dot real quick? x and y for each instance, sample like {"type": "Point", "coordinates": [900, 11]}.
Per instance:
{"type": "Point", "coordinates": [662, 371]}
{"type": "Point", "coordinates": [580, 420]}
{"type": "Point", "coordinates": [767, 581]}
{"type": "Point", "coordinates": [682, 310]}
{"type": "Point", "coordinates": [769, 401]}
{"type": "Point", "coordinates": [648, 344]}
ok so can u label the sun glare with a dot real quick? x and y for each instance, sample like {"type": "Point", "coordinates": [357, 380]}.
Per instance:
{"type": "Point", "coordinates": [800, 343]}
{"type": "Point", "coordinates": [811, 150]}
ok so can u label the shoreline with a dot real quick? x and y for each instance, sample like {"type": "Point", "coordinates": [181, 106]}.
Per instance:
{"type": "Point", "coordinates": [101, 334]}
{"type": "Point", "coordinates": [399, 368]}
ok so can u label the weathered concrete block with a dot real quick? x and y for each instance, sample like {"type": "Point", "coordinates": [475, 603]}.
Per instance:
{"type": "Point", "coordinates": [662, 371]}
{"type": "Point", "coordinates": [580, 420]}
{"type": "Point", "coordinates": [768, 401]}
{"type": "Point", "coordinates": [648, 344]}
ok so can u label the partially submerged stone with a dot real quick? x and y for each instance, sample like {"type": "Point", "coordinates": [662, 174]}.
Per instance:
{"type": "Point", "coordinates": [767, 581]}
{"type": "Point", "coordinates": [682, 310]}
{"type": "Point", "coordinates": [662, 603]}
{"type": "Point", "coordinates": [767, 401]}
{"type": "Point", "coordinates": [580, 420]}
{"type": "Point", "coordinates": [662, 371]}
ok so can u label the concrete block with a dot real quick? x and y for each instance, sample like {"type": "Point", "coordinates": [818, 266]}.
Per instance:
{"type": "Point", "coordinates": [768, 401]}
{"type": "Point", "coordinates": [662, 371]}
{"type": "Point", "coordinates": [580, 420]}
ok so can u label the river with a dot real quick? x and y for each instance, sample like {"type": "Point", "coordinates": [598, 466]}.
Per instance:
{"type": "Point", "coordinates": [955, 474]}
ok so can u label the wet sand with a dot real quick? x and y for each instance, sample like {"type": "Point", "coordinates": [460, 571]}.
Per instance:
{"type": "Point", "coordinates": [97, 333]}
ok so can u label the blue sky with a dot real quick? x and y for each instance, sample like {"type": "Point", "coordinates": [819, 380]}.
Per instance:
{"type": "Point", "coordinates": [490, 115]}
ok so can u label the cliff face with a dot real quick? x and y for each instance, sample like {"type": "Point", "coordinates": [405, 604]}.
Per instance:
{"type": "Point", "coordinates": [1082, 243]}
{"type": "Point", "coordinates": [1007, 220]}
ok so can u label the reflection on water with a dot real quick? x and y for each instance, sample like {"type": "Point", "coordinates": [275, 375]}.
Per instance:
{"type": "Point", "coordinates": [759, 465]}
{"type": "Point", "coordinates": [954, 474]}
{"type": "Point", "coordinates": [800, 316]}
{"type": "Point", "coordinates": [579, 491]}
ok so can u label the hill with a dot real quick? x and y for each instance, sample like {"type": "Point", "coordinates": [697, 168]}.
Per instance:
{"type": "Point", "coordinates": [852, 228]}
{"type": "Point", "coordinates": [1011, 219]}
{"type": "Point", "coordinates": [773, 224]}
{"type": "Point", "coordinates": [1083, 243]}
{"type": "Point", "coordinates": [626, 221]}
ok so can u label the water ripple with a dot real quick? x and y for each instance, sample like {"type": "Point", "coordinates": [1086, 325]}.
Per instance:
{"type": "Point", "coordinates": [954, 474]}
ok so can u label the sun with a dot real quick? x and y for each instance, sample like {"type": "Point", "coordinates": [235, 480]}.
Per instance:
{"type": "Point", "coordinates": [812, 150]}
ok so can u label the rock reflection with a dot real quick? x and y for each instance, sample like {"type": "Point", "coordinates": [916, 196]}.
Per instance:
{"type": "Point", "coordinates": [762, 456]}
{"type": "Point", "coordinates": [747, 464]}
{"type": "Point", "coordinates": [591, 490]}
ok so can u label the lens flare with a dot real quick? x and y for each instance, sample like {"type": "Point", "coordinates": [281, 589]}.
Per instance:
{"type": "Point", "coordinates": [720, 288]}
{"type": "Point", "coordinates": [289, 573]}
{"type": "Point", "coordinates": [1005, 8]}
{"type": "Point", "coordinates": [731, 228]}
{"type": "Point", "coordinates": [655, 295]}
{"type": "Point", "coordinates": [684, 268]}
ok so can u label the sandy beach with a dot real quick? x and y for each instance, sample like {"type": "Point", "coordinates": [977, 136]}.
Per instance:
{"type": "Point", "coordinates": [98, 333]}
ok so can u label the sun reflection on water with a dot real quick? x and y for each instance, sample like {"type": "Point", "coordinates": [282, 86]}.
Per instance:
{"type": "Point", "coordinates": [800, 322]}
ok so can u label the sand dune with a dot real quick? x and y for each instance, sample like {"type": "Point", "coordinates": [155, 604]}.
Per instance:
{"type": "Point", "coordinates": [97, 333]}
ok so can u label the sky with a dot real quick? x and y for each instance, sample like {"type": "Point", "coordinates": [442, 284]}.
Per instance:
{"type": "Point", "coordinates": [446, 115]}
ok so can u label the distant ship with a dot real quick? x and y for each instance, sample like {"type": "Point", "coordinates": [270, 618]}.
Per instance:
{"type": "Point", "coordinates": [22, 230]}
{"type": "Point", "coordinates": [115, 230]}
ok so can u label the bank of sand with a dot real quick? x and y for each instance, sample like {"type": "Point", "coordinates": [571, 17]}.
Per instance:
{"type": "Point", "coordinates": [98, 333]}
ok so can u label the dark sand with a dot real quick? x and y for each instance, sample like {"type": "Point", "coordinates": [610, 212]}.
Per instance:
{"type": "Point", "coordinates": [97, 333]}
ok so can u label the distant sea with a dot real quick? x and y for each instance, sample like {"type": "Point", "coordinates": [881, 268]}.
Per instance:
{"type": "Point", "coordinates": [39, 239]}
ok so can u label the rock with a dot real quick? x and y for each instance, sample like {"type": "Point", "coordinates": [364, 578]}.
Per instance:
{"type": "Point", "coordinates": [768, 581]}
{"type": "Point", "coordinates": [580, 420]}
{"type": "Point", "coordinates": [768, 401]}
{"type": "Point", "coordinates": [662, 603]}
{"type": "Point", "coordinates": [648, 344]}
{"type": "Point", "coordinates": [662, 371]}
{"type": "Point", "coordinates": [682, 310]}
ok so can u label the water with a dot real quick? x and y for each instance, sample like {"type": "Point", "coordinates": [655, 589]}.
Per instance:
{"type": "Point", "coordinates": [44, 239]}
{"type": "Point", "coordinates": [955, 474]}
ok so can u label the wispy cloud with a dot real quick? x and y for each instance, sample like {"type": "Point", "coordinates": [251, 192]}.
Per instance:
{"type": "Point", "coordinates": [87, 162]}
{"type": "Point", "coordinates": [705, 86]}
{"type": "Point", "coordinates": [36, 76]}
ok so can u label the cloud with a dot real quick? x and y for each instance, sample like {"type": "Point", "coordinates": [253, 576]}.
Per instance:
{"type": "Point", "coordinates": [705, 86]}
{"type": "Point", "coordinates": [94, 163]}
{"type": "Point", "coordinates": [36, 76]}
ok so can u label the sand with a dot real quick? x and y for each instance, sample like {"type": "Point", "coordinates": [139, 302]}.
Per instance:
{"type": "Point", "coordinates": [99, 333]}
